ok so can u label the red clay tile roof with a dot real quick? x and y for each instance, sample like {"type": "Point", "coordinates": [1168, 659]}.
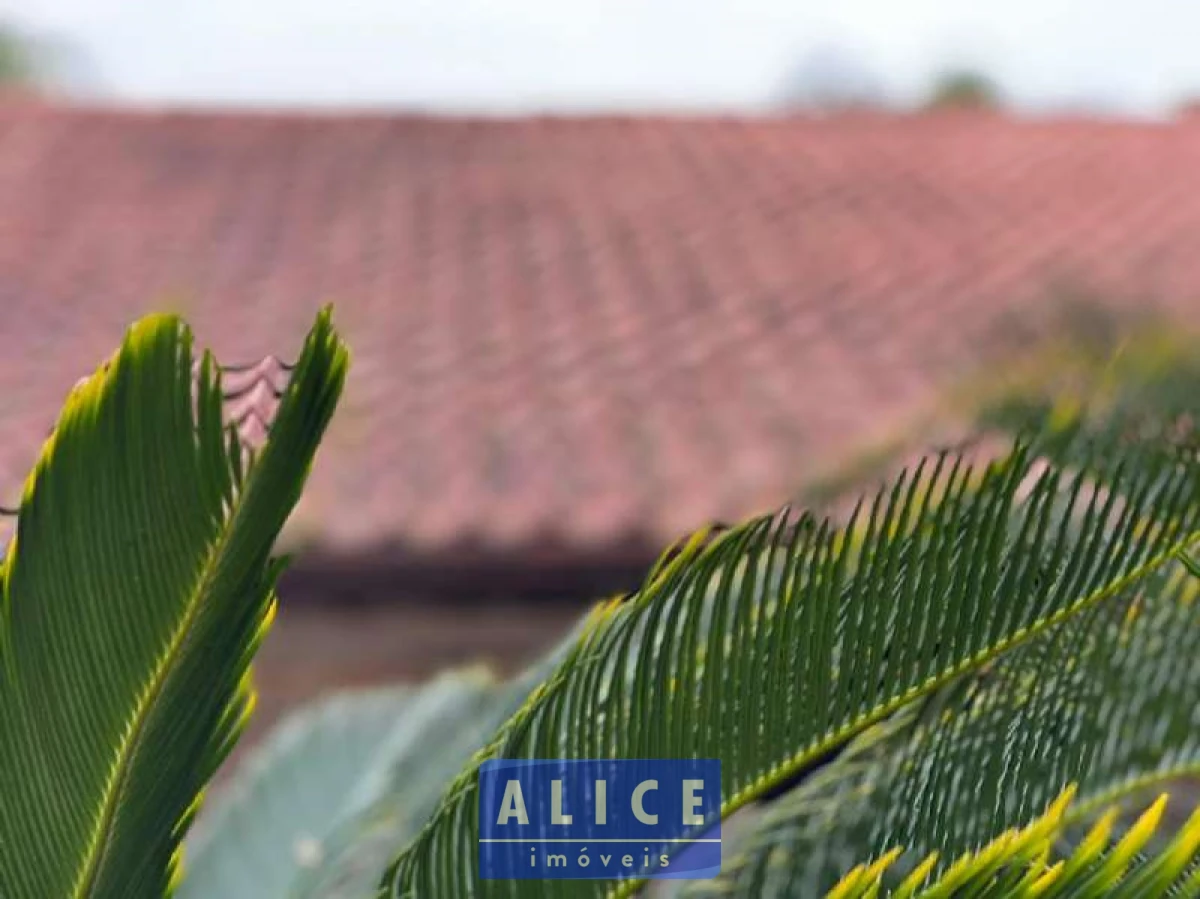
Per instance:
{"type": "Point", "coordinates": [577, 329]}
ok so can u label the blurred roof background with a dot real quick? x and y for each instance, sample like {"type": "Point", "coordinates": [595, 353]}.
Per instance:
{"type": "Point", "coordinates": [636, 266]}
{"type": "Point", "coordinates": [575, 334]}
{"type": "Point", "coordinates": [609, 268]}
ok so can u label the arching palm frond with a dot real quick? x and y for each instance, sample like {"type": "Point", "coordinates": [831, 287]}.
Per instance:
{"type": "Point", "coordinates": [780, 641]}
{"type": "Point", "coordinates": [1105, 701]}
{"type": "Point", "coordinates": [136, 590]}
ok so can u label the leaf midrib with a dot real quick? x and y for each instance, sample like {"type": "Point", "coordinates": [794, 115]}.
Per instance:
{"type": "Point", "coordinates": [101, 841]}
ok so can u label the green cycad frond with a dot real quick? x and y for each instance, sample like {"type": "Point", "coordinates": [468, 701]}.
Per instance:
{"type": "Point", "coordinates": [1022, 864]}
{"type": "Point", "coordinates": [1105, 700]}
{"type": "Point", "coordinates": [136, 590]}
{"type": "Point", "coordinates": [779, 641]}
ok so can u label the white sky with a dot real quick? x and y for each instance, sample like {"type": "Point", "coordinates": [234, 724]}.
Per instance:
{"type": "Point", "coordinates": [523, 55]}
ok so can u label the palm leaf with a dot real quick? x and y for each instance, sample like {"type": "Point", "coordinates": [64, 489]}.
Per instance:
{"type": "Point", "coordinates": [1104, 701]}
{"type": "Point", "coordinates": [779, 641]}
{"type": "Point", "coordinates": [136, 591]}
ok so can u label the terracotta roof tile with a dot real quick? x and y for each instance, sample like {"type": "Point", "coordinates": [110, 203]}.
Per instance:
{"type": "Point", "coordinates": [573, 330]}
